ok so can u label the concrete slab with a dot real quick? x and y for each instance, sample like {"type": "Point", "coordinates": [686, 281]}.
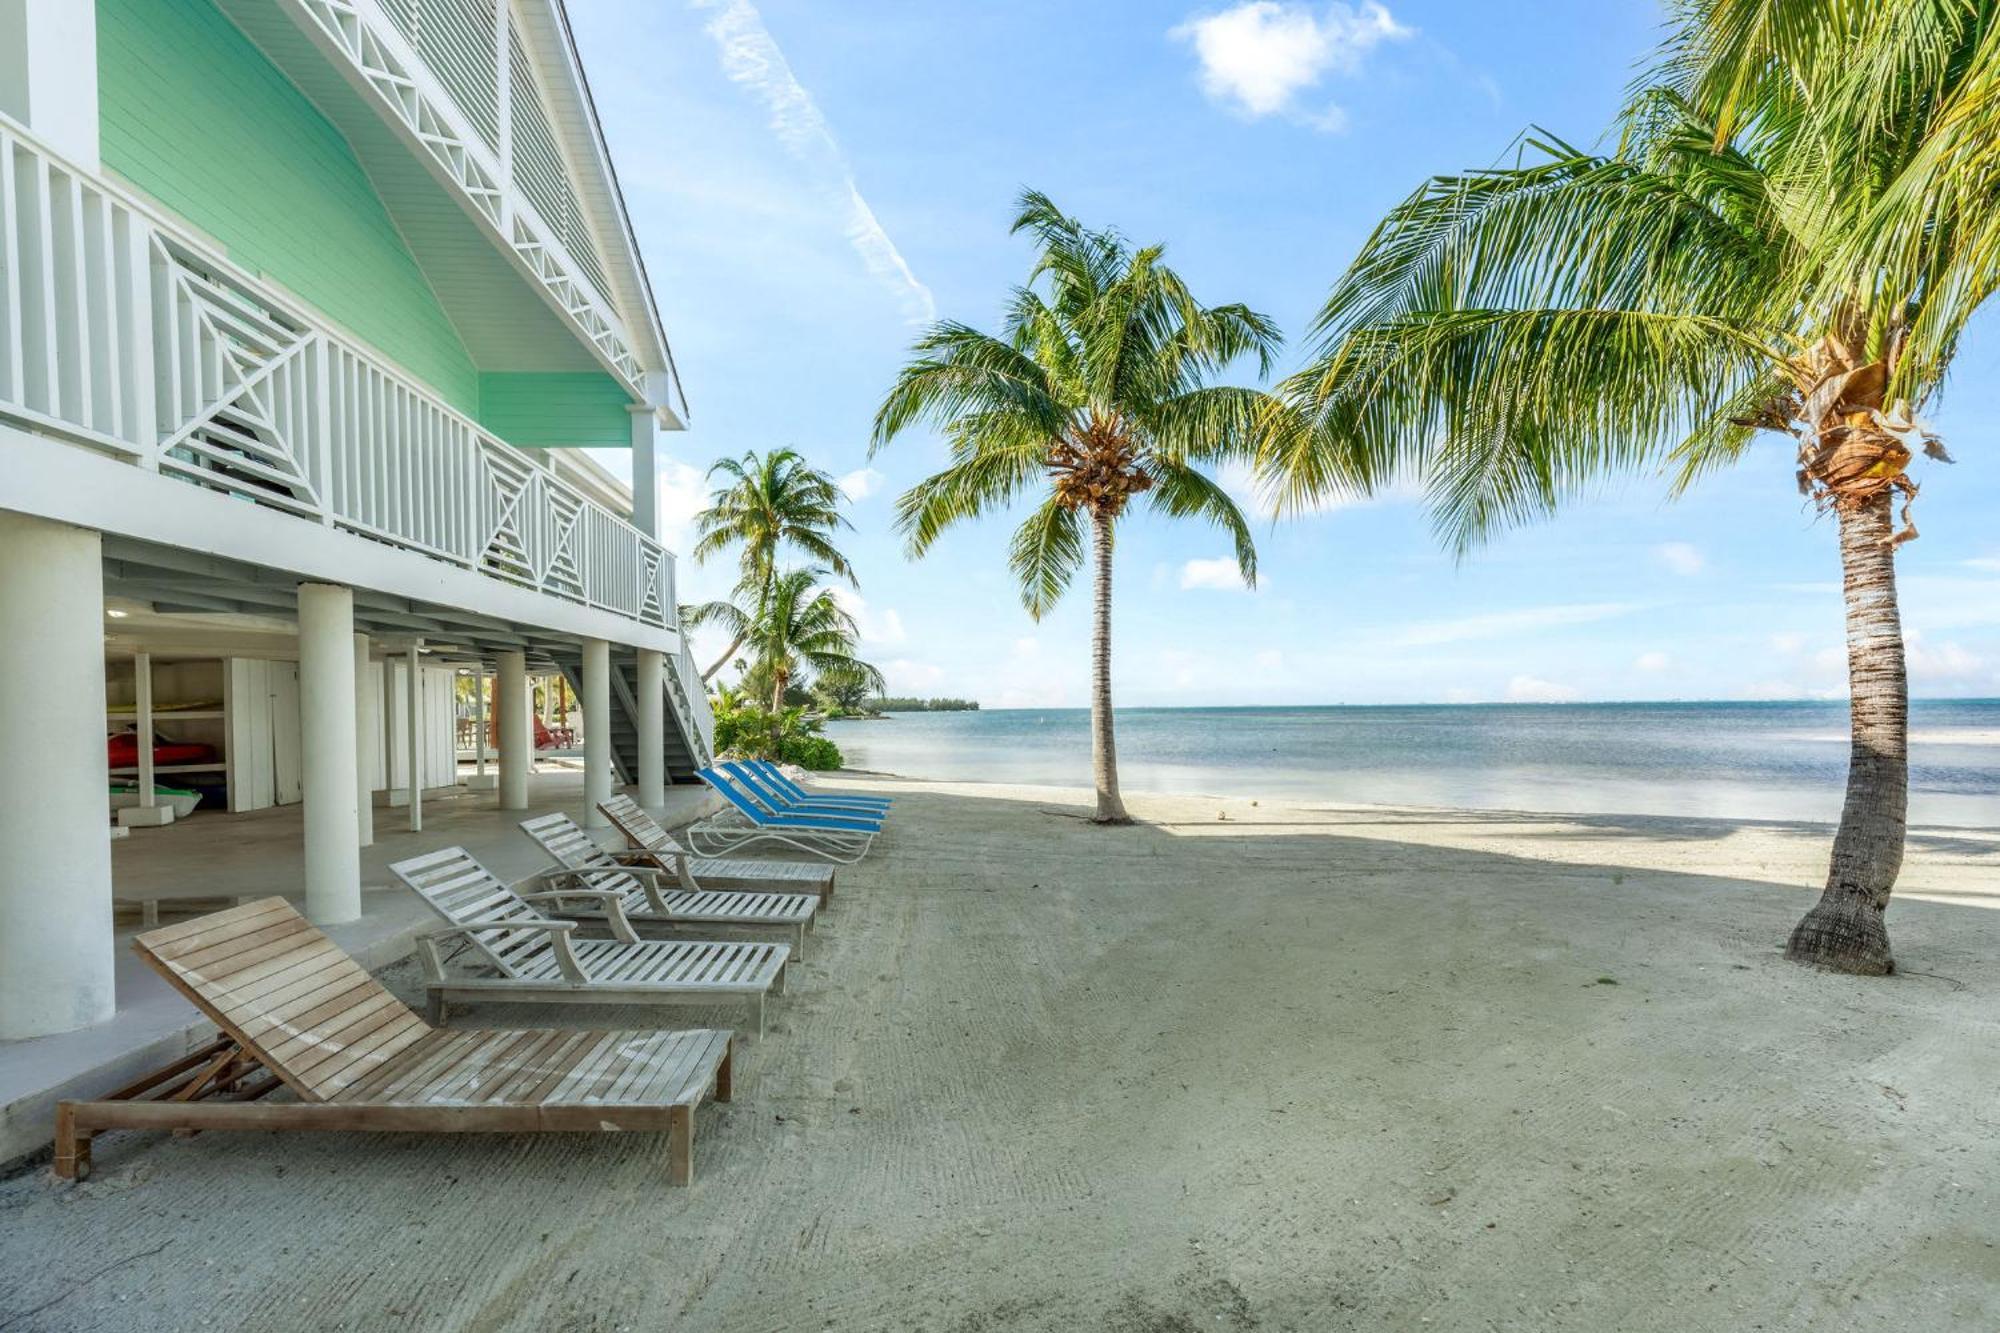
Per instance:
{"type": "Point", "coordinates": [219, 858]}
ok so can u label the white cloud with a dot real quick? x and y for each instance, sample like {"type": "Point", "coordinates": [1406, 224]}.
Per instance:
{"type": "Point", "coordinates": [1947, 663]}
{"type": "Point", "coordinates": [1499, 624]}
{"type": "Point", "coordinates": [751, 57]}
{"type": "Point", "coordinates": [1653, 662]}
{"type": "Point", "coordinates": [908, 676]}
{"type": "Point", "coordinates": [861, 483]}
{"type": "Point", "coordinates": [1535, 690]}
{"type": "Point", "coordinates": [1220, 572]}
{"type": "Point", "coordinates": [1270, 659]}
{"type": "Point", "coordinates": [1259, 57]}
{"type": "Point", "coordinates": [1788, 643]}
{"type": "Point", "coordinates": [878, 628]}
{"type": "Point", "coordinates": [1682, 558]}
{"type": "Point", "coordinates": [1988, 563]}
{"type": "Point", "coordinates": [683, 495]}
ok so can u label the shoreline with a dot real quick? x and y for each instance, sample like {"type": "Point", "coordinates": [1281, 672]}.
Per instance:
{"type": "Point", "coordinates": [1083, 795]}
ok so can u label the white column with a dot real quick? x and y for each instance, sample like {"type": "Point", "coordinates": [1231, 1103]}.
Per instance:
{"type": "Point", "coordinates": [142, 717]}
{"type": "Point", "coordinates": [596, 730]}
{"type": "Point", "coordinates": [479, 720]}
{"type": "Point", "coordinates": [48, 73]}
{"type": "Point", "coordinates": [413, 719]}
{"type": "Point", "coordinates": [645, 472]}
{"type": "Point", "coordinates": [511, 703]}
{"type": "Point", "coordinates": [149, 813]}
{"type": "Point", "coordinates": [326, 749]}
{"type": "Point", "coordinates": [56, 950]}
{"type": "Point", "coordinates": [652, 686]}
{"type": "Point", "coordinates": [366, 727]}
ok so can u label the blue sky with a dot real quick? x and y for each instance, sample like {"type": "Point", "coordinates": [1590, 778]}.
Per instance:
{"type": "Point", "coordinates": [811, 181]}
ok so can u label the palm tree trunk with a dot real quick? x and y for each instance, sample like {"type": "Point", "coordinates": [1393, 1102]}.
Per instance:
{"type": "Point", "coordinates": [1845, 929]}
{"type": "Point", "coordinates": [779, 679]}
{"type": "Point", "coordinates": [727, 653]}
{"type": "Point", "coordinates": [1103, 746]}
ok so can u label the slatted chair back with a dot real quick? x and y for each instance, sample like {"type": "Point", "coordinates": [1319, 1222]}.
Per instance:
{"type": "Point", "coordinates": [632, 820]}
{"type": "Point", "coordinates": [461, 890]}
{"type": "Point", "coordinates": [286, 993]}
{"type": "Point", "coordinates": [572, 848]}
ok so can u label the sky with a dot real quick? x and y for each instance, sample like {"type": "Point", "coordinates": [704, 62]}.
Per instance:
{"type": "Point", "coordinates": [811, 183]}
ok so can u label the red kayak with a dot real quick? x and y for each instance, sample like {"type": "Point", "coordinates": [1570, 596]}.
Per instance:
{"type": "Point", "coordinates": [122, 751]}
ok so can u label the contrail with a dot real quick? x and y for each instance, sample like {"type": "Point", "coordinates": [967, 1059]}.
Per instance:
{"type": "Point", "coordinates": [750, 56]}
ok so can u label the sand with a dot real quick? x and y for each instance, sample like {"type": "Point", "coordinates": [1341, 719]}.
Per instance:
{"type": "Point", "coordinates": [1243, 1066]}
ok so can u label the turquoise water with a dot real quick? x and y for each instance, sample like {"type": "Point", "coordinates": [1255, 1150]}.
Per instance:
{"type": "Point", "coordinates": [1740, 760]}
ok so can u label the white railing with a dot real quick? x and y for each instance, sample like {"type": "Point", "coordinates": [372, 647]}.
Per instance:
{"type": "Point", "coordinates": [121, 332]}
{"type": "Point", "coordinates": [692, 696]}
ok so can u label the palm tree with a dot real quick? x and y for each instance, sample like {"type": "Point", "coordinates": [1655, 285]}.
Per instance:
{"type": "Point", "coordinates": [1096, 390]}
{"type": "Point", "coordinates": [1795, 227]}
{"type": "Point", "coordinates": [802, 633]}
{"type": "Point", "coordinates": [765, 503]}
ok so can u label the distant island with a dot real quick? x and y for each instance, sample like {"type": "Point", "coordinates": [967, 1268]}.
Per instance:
{"type": "Point", "coordinates": [898, 705]}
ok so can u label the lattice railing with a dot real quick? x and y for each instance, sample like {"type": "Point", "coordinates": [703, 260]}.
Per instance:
{"type": "Point", "coordinates": [427, 64]}
{"type": "Point", "coordinates": [120, 332]}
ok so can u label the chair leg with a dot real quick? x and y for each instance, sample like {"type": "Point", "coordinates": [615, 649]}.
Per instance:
{"type": "Point", "coordinates": [72, 1161]}
{"type": "Point", "coordinates": [725, 1074]}
{"type": "Point", "coordinates": [440, 1008]}
{"type": "Point", "coordinates": [680, 1145]}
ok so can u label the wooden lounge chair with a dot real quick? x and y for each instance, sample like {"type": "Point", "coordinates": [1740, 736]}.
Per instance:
{"type": "Point", "coordinates": [637, 895]}
{"type": "Point", "coordinates": [654, 846]}
{"type": "Point", "coordinates": [298, 1014]}
{"type": "Point", "coordinates": [530, 956]}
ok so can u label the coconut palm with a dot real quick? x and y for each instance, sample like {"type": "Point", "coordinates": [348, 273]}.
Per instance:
{"type": "Point", "coordinates": [803, 632]}
{"type": "Point", "coordinates": [1096, 391]}
{"type": "Point", "coordinates": [765, 504]}
{"type": "Point", "coordinates": [1797, 222]}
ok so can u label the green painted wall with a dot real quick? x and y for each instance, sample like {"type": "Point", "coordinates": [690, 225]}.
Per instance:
{"type": "Point", "coordinates": [586, 408]}
{"type": "Point", "coordinates": [195, 115]}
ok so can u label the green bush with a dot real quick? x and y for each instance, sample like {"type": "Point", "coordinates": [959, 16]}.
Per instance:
{"type": "Point", "coordinates": [813, 752]}
{"type": "Point", "coordinates": [745, 732]}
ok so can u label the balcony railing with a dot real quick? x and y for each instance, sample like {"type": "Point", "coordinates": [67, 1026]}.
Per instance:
{"type": "Point", "coordinates": [121, 332]}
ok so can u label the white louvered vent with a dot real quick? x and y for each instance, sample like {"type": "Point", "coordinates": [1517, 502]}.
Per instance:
{"type": "Point", "coordinates": [539, 171]}
{"type": "Point", "coordinates": [456, 39]}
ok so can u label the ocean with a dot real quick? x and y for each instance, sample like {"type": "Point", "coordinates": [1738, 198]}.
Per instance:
{"type": "Point", "coordinates": [1736, 760]}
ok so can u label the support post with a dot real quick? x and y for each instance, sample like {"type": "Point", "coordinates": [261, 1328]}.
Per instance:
{"type": "Point", "coordinates": [327, 747]}
{"type": "Point", "coordinates": [366, 727]}
{"type": "Point", "coordinates": [48, 73]}
{"type": "Point", "coordinates": [511, 702]}
{"type": "Point", "coordinates": [149, 813]}
{"type": "Point", "coordinates": [142, 717]}
{"type": "Point", "coordinates": [479, 720]}
{"type": "Point", "coordinates": [652, 688]}
{"type": "Point", "coordinates": [480, 780]}
{"type": "Point", "coordinates": [645, 472]}
{"type": "Point", "coordinates": [56, 959]}
{"type": "Point", "coordinates": [596, 731]}
{"type": "Point", "coordinates": [413, 710]}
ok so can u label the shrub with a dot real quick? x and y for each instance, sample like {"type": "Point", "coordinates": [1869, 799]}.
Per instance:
{"type": "Point", "coordinates": [745, 731]}
{"type": "Point", "coordinates": [809, 751]}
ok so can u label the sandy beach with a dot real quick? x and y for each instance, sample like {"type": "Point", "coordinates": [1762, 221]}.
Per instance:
{"type": "Point", "coordinates": [1246, 1065]}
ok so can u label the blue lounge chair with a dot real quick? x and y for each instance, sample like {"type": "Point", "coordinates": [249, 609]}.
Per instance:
{"type": "Point", "coordinates": [748, 822]}
{"type": "Point", "coordinates": [777, 802]}
{"type": "Point", "coordinates": [775, 776]}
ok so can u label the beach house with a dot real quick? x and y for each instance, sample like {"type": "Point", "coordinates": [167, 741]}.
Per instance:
{"type": "Point", "coordinates": [307, 309]}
